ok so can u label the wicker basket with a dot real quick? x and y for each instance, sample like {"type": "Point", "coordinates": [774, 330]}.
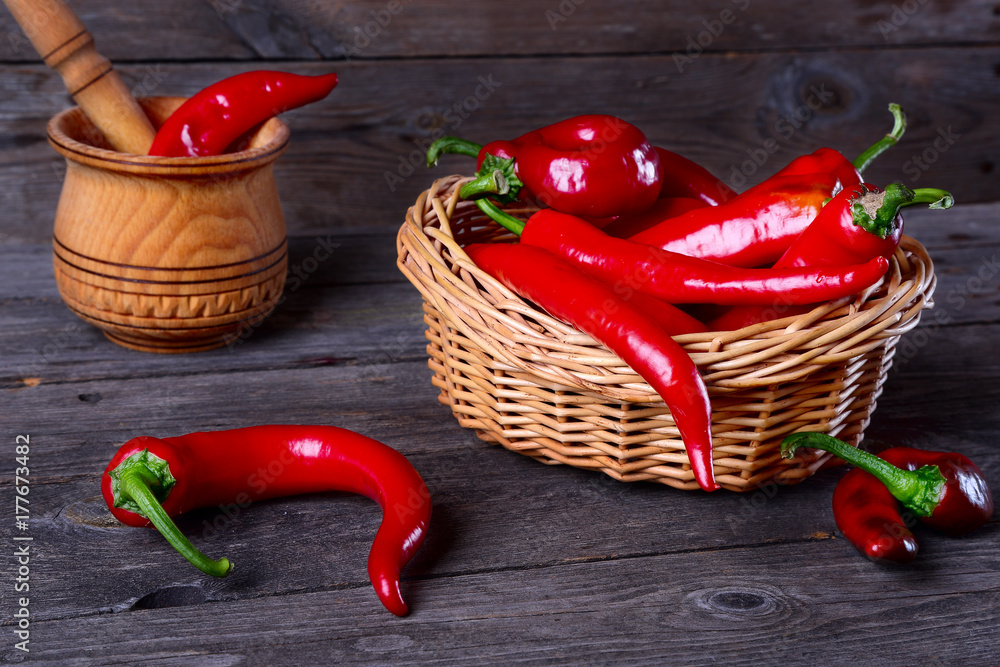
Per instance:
{"type": "Point", "coordinates": [537, 386]}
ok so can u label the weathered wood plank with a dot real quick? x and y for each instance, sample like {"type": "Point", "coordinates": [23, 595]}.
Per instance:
{"type": "Point", "coordinates": [355, 158]}
{"type": "Point", "coordinates": [255, 29]}
{"type": "Point", "coordinates": [788, 603]}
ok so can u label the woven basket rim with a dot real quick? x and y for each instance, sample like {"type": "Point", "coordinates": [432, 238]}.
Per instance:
{"type": "Point", "coordinates": [528, 339]}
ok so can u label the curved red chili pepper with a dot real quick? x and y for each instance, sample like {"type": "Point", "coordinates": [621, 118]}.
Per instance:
{"type": "Point", "coordinates": [679, 279]}
{"type": "Point", "coordinates": [869, 517]}
{"type": "Point", "coordinates": [593, 165]}
{"type": "Point", "coordinates": [211, 120]}
{"type": "Point", "coordinates": [681, 177]}
{"type": "Point", "coordinates": [945, 490]}
{"type": "Point", "coordinates": [572, 296]}
{"type": "Point", "coordinates": [757, 227]}
{"type": "Point", "coordinates": [250, 464]}
{"type": "Point", "coordinates": [857, 225]}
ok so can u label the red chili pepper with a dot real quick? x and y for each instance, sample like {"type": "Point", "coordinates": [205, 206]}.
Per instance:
{"type": "Point", "coordinates": [595, 165]}
{"type": "Point", "coordinates": [627, 266]}
{"type": "Point", "coordinates": [869, 517]}
{"type": "Point", "coordinates": [681, 177]}
{"type": "Point", "coordinates": [250, 464]}
{"type": "Point", "coordinates": [662, 209]}
{"type": "Point", "coordinates": [945, 490]}
{"type": "Point", "coordinates": [756, 228]}
{"type": "Point", "coordinates": [572, 296]}
{"type": "Point", "coordinates": [857, 225]}
{"type": "Point", "coordinates": [211, 120]}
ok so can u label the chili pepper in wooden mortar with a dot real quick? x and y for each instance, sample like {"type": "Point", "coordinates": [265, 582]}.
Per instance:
{"type": "Point", "coordinates": [945, 490]}
{"type": "Point", "coordinates": [758, 226]}
{"type": "Point", "coordinates": [594, 165]}
{"type": "Point", "coordinates": [672, 277]}
{"type": "Point", "coordinates": [859, 224]}
{"type": "Point", "coordinates": [151, 479]}
{"type": "Point", "coordinates": [210, 121]}
{"type": "Point", "coordinates": [572, 296]}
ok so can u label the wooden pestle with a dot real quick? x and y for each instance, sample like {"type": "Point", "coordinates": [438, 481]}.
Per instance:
{"type": "Point", "coordinates": [67, 47]}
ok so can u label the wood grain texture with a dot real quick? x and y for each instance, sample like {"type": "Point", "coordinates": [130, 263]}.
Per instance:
{"type": "Point", "coordinates": [355, 157]}
{"type": "Point", "coordinates": [303, 29]}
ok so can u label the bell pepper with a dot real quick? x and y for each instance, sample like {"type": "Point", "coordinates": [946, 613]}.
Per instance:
{"type": "Point", "coordinates": [596, 166]}
{"type": "Point", "coordinates": [151, 479]}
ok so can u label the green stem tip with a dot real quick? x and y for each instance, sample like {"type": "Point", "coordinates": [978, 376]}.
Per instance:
{"type": "Point", "coordinates": [886, 142]}
{"type": "Point", "coordinates": [451, 145]}
{"type": "Point", "coordinates": [140, 484]}
{"type": "Point", "coordinates": [491, 183]}
{"type": "Point", "coordinates": [918, 490]}
{"type": "Point", "coordinates": [501, 217]}
{"type": "Point", "coordinates": [876, 212]}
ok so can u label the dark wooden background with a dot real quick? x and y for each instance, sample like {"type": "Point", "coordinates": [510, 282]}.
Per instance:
{"type": "Point", "coordinates": [524, 563]}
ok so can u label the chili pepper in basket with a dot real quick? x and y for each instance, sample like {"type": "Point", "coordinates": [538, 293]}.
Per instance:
{"type": "Point", "coordinates": [859, 224]}
{"type": "Point", "coordinates": [681, 177]}
{"type": "Point", "coordinates": [593, 165]}
{"type": "Point", "coordinates": [945, 490]}
{"type": "Point", "coordinates": [756, 227]}
{"type": "Point", "coordinates": [211, 120]}
{"type": "Point", "coordinates": [624, 226]}
{"type": "Point", "coordinates": [672, 277]}
{"type": "Point", "coordinates": [572, 296]}
{"type": "Point", "coordinates": [151, 479]}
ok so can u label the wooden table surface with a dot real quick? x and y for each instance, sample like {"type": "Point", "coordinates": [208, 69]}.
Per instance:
{"type": "Point", "coordinates": [523, 563]}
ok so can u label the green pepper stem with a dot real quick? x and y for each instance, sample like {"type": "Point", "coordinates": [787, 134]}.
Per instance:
{"type": "Point", "coordinates": [451, 145]}
{"type": "Point", "coordinates": [876, 212]}
{"type": "Point", "coordinates": [886, 142]}
{"type": "Point", "coordinates": [133, 487]}
{"type": "Point", "coordinates": [502, 218]}
{"type": "Point", "coordinates": [492, 183]}
{"type": "Point", "coordinates": [919, 490]}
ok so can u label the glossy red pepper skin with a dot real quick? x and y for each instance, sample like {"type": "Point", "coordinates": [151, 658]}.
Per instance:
{"type": "Point", "coordinates": [679, 279]}
{"type": "Point", "coordinates": [593, 165]}
{"type": "Point", "coordinates": [966, 503]}
{"type": "Point", "coordinates": [662, 209]}
{"type": "Point", "coordinates": [572, 296]}
{"type": "Point", "coordinates": [869, 517]}
{"type": "Point", "coordinates": [210, 121]}
{"type": "Point", "coordinates": [751, 230]}
{"type": "Point", "coordinates": [681, 177]}
{"type": "Point", "coordinates": [840, 233]}
{"type": "Point", "coordinates": [256, 463]}
{"type": "Point", "coordinates": [826, 161]}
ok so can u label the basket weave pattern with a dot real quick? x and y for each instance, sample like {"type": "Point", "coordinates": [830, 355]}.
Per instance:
{"type": "Point", "coordinates": [537, 386]}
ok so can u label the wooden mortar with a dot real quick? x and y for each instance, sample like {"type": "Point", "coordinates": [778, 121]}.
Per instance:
{"type": "Point", "coordinates": [168, 254]}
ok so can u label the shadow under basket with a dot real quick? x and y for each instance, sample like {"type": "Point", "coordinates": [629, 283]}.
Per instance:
{"type": "Point", "coordinates": [537, 386]}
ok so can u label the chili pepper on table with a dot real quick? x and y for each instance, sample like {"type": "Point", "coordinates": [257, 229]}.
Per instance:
{"type": "Point", "coordinates": [593, 165]}
{"type": "Point", "coordinates": [757, 227]}
{"type": "Point", "coordinates": [568, 294]}
{"type": "Point", "coordinates": [673, 277]}
{"type": "Point", "coordinates": [212, 119]}
{"type": "Point", "coordinates": [151, 479]}
{"type": "Point", "coordinates": [945, 490]}
{"type": "Point", "coordinates": [859, 224]}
